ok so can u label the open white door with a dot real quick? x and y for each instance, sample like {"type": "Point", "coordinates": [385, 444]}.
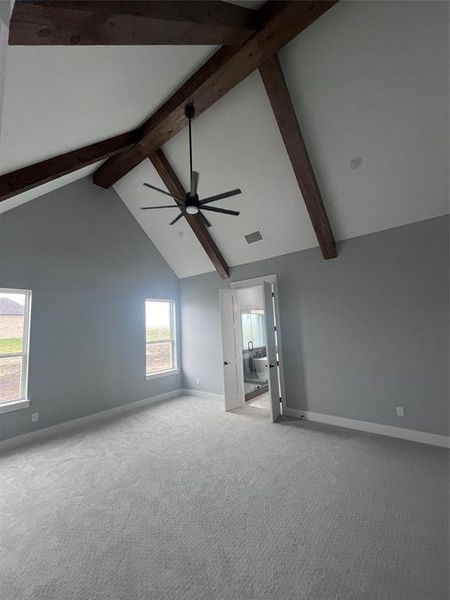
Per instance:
{"type": "Point", "coordinates": [234, 397]}
{"type": "Point", "coordinates": [271, 347]}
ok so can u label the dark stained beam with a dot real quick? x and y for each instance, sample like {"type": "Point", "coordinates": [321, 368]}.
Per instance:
{"type": "Point", "coordinates": [133, 22]}
{"type": "Point", "coordinates": [33, 175]}
{"type": "Point", "coordinates": [280, 99]}
{"type": "Point", "coordinates": [174, 185]}
{"type": "Point", "coordinates": [279, 21]}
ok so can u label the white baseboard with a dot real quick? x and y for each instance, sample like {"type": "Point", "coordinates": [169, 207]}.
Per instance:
{"type": "Point", "coordinates": [422, 437]}
{"type": "Point", "coordinates": [293, 412]}
{"type": "Point", "coordinates": [26, 438]}
{"type": "Point", "coordinates": [402, 433]}
{"type": "Point", "coordinates": [200, 394]}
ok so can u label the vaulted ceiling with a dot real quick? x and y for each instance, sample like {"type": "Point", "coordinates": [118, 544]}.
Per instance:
{"type": "Point", "coordinates": [369, 82]}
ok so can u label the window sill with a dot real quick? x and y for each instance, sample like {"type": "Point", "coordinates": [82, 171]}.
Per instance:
{"type": "Point", "coordinates": [162, 374]}
{"type": "Point", "coordinates": [14, 405]}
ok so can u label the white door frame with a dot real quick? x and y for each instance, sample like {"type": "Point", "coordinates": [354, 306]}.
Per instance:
{"type": "Point", "coordinates": [246, 283]}
{"type": "Point", "coordinates": [233, 396]}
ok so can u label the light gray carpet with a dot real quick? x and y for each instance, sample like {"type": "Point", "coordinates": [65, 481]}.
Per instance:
{"type": "Point", "coordinates": [182, 501]}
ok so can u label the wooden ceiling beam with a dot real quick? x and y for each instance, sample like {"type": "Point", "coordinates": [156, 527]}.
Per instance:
{"type": "Point", "coordinates": [174, 185]}
{"type": "Point", "coordinates": [29, 177]}
{"type": "Point", "coordinates": [280, 22]}
{"type": "Point", "coordinates": [131, 22]}
{"type": "Point", "coordinates": [283, 109]}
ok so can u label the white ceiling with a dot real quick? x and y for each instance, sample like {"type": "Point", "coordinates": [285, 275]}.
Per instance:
{"type": "Point", "coordinates": [60, 98]}
{"type": "Point", "coordinates": [368, 79]}
{"type": "Point", "coordinates": [63, 97]}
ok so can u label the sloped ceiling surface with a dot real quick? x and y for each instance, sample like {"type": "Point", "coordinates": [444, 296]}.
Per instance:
{"type": "Point", "coordinates": [236, 144]}
{"type": "Point", "coordinates": [61, 98]}
{"type": "Point", "coordinates": [369, 81]}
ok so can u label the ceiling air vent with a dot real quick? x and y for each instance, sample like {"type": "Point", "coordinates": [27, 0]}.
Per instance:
{"type": "Point", "coordinates": [251, 238]}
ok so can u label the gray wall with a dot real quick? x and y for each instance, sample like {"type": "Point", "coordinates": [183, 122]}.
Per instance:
{"type": "Point", "coordinates": [362, 334]}
{"type": "Point", "coordinates": [90, 267]}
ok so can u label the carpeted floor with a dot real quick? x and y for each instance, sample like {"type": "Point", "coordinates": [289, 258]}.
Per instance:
{"type": "Point", "coordinates": [182, 501]}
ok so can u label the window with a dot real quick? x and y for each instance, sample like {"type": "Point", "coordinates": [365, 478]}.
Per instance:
{"type": "Point", "coordinates": [160, 338]}
{"type": "Point", "coordinates": [253, 328]}
{"type": "Point", "coordinates": [14, 343]}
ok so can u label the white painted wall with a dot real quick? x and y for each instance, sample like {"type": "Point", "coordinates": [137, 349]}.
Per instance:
{"type": "Point", "coordinates": [6, 7]}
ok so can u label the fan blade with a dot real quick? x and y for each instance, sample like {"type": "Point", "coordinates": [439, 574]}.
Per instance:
{"type": "Point", "coordinates": [165, 206]}
{"type": "Point", "coordinates": [221, 210]}
{"type": "Point", "coordinates": [194, 183]}
{"type": "Point", "coordinates": [163, 192]}
{"type": "Point", "coordinates": [177, 218]}
{"type": "Point", "coordinates": [204, 220]}
{"type": "Point", "coordinates": [220, 196]}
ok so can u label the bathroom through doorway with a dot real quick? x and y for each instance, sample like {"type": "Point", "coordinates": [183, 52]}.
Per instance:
{"type": "Point", "coordinates": [251, 341]}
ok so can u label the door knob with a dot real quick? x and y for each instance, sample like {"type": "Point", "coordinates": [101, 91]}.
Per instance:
{"type": "Point", "coordinates": [271, 366]}
{"type": "Point", "coordinates": [226, 362]}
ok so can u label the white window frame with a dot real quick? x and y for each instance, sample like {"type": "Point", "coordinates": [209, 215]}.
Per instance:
{"type": "Point", "coordinates": [23, 401]}
{"type": "Point", "coordinates": [173, 339]}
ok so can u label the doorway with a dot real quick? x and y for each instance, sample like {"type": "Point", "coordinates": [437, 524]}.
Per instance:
{"type": "Point", "coordinates": [251, 344]}
{"type": "Point", "coordinates": [254, 345]}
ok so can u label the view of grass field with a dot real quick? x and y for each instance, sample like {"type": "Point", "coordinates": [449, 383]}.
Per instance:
{"type": "Point", "coordinates": [10, 345]}
{"type": "Point", "coordinates": [12, 325]}
{"type": "Point", "coordinates": [153, 334]}
{"type": "Point", "coordinates": [158, 353]}
{"type": "Point", "coordinates": [156, 334]}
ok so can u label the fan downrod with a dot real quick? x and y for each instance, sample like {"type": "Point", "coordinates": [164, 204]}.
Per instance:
{"type": "Point", "coordinates": [191, 203]}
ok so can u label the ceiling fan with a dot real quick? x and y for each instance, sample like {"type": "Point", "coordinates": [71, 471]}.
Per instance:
{"type": "Point", "coordinates": [192, 204]}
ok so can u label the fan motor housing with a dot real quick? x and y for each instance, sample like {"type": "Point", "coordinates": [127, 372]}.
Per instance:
{"type": "Point", "coordinates": [192, 200]}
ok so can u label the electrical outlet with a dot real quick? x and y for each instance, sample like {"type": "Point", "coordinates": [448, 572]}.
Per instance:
{"type": "Point", "coordinates": [198, 380]}
{"type": "Point", "coordinates": [400, 411]}
{"type": "Point", "coordinates": [34, 417]}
